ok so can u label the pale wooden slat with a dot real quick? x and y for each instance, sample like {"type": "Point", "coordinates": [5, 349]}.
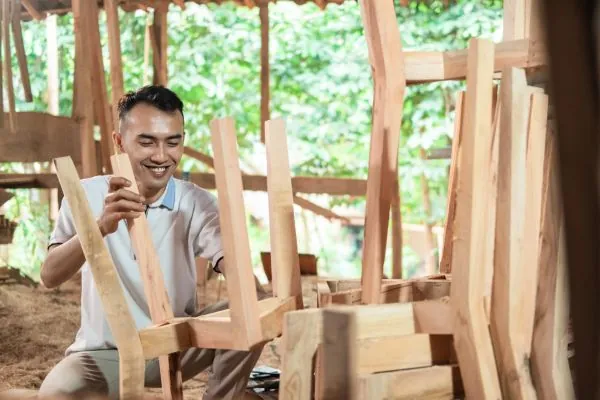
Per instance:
{"type": "Point", "coordinates": [340, 358]}
{"type": "Point", "coordinates": [243, 301]}
{"type": "Point", "coordinates": [122, 325]}
{"type": "Point", "coordinates": [7, 10]}
{"type": "Point", "coordinates": [471, 336]}
{"type": "Point", "coordinates": [114, 49]}
{"type": "Point", "coordinates": [284, 247]}
{"type": "Point", "coordinates": [505, 320]}
{"type": "Point", "coordinates": [154, 285]}
{"type": "Point", "coordinates": [387, 63]}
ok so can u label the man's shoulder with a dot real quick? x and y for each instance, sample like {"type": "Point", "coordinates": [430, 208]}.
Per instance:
{"type": "Point", "coordinates": [189, 191]}
{"type": "Point", "coordinates": [95, 182]}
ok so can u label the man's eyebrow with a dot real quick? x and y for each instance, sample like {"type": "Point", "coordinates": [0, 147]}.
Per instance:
{"type": "Point", "coordinates": [152, 137]}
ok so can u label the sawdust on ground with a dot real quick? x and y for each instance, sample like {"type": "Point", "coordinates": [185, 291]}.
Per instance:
{"type": "Point", "coordinates": [37, 325]}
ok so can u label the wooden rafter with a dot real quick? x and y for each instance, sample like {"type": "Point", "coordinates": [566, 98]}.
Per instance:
{"type": "Point", "coordinates": [21, 56]}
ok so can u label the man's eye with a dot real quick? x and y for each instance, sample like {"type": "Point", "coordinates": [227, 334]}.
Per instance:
{"type": "Point", "coordinates": [174, 144]}
{"type": "Point", "coordinates": [146, 143]}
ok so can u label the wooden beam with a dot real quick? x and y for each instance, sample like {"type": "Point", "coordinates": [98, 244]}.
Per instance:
{"type": "Point", "coordinates": [340, 361]}
{"type": "Point", "coordinates": [28, 181]}
{"type": "Point", "coordinates": [116, 66]}
{"type": "Point", "coordinates": [300, 201]}
{"type": "Point", "coordinates": [160, 45]}
{"type": "Point", "coordinates": [5, 196]}
{"type": "Point", "coordinates": [550, 368]}
{"type": "Point", "coordinates": [432, 66]}
{"type": "Point", "coordinates": [396, 233]}
{"type": "Point", "coordinates": [1, 65]}
{"type": "Point", "coordinates": [83, 109]}
{"type": "Point", "coordinates": [265, 114]}
{"type": "Point", "coordinates": [100, 94]}
{"type": "Point", "coordinates": [505, 322]}
{"type": "Point", "coordinates": [284, 246]}
{"type": "Point", "coordinates": [446, 260]}
{"type": "Point", "coordinates": [122, 325]}
{"type": "Point", "coordinates": [387, 64]}
{"type": "Point", "coordinates": [32, 10]}
{"type": "Point", "coordinates": [236, 247]}
{"type": "Point", "coordinates": [7, 10]}
{"type": "Point", "coordinates": [20, 50]}
{"type": "Point", "coordinates": [300, 184]}
{"type": "Point", "coordinates": [157, 297]}
{"type": "Point", "coordinates": [574, 79]}
{"type": "Point", "coordinates": [40, 137]}
{"type": "Point", "coordinates": [471, 335]}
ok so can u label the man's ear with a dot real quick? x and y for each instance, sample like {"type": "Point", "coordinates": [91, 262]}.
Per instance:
{"type": "Point", "coordinates": [118, 140]}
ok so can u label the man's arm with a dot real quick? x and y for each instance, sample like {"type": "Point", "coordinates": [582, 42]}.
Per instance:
{"type": "Point", "coordinates": [63, 261]}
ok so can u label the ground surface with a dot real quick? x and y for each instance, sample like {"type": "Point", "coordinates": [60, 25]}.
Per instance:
{"type": "Point", "coordinates": [37, 325]}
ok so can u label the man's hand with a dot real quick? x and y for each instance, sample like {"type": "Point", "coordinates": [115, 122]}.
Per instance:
{"type": "Point", "coordinates": [120, 203]}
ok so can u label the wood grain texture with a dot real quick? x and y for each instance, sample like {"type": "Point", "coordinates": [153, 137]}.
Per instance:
{"type": "Point", "coordinates": [340, 358]}
{"type": "Point", "coordinates": [282, 226]}
{"type": "Point", "coordinates": [114, 49]}
{"type": "Point", "coordinates": [472, 341]}
{"type": "Point", "coordinates": [122, 325]}
{"type": "Point", "coordinates": [155, 290]}
{"type": "Point", "coordinates": [20, 50]}
{"type": "Point", "coordinates": [243, 301]}
{"type": "Point", "coordinates": [387, 64]}
{"type": "Point", "coordinates": [7, 11]}
{"type": "Point", "coordinates": [506, 324]}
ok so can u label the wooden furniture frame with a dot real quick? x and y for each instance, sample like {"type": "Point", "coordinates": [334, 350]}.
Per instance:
{"type": "Point", "coordinates": [248, 322]}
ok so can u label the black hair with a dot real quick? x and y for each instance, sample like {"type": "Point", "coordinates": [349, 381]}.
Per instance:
{"type": "Point", "coordinates": [155, 95]}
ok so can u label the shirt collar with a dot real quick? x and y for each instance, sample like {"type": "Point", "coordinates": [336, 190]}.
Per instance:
{"type": "Point", "coordinates": [167, 199]}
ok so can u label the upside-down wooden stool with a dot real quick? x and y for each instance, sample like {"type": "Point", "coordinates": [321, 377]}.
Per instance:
{"type": "Point", "coordinates": [248, 322]}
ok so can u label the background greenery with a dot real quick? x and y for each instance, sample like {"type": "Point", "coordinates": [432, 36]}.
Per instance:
{"type": "Point", "coordinates": [320, 82]}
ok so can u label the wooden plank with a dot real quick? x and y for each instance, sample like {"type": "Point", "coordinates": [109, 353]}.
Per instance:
{"type": "Point", "coordinates": [20, 50]}
{"type": "Point", "coordinates": [154, 285]}
{"type": "Point", "coordinates": [29, 181]}
{"type": "Point", "coordinates": [40, 137]}
{"type": "Point", "coordinates": [505, 322]}
{"type": "Point", "coordinates": [122, 325]}
{"type": "Point", "coordinates": [265, 92]}
{"type": "Point", "coordinates": [340, 361]}
{"type": "Point", "coordinates": [236, 247]}
{"type": "Point", "coordinates": [7, 10]}
{"type": "Point", "coordinates": [549, 362]}
{"type": "Point", "coordinates": [1, 67]}
{"type": "Point", "coordinates": [514, 20]}
{"type": "Point", "coordinates": [302, 333]}
{"type": "Point", "coordinates": [396, 233]}
{"type": "Point", "coordinates": [83, 109]}
{"type": "Point", "coordinates": [114, 50]}
{"type": "Point", "coordinates": [446, 261]}
{"type": "Point", "coordinates": [300, 184]}
{"type": "Point", "coordinates": [99, 92]}
{"type": "Point", "coordinates": [534, 169]}
{"type": "Point", "coordinates": [387, 64]}
{"type": "Point", "coordinates": [271, 315]}
{"type": "Point", "coordinates": [471, 336]}
{"type": "Point", "coordinates": [574, 78]}
{"type": "Point", "coordinates": [282, 226]}
{"type": "Point", "coordinates": [437, 382]}
{"type": "Point", "coordinates": [432, 66]}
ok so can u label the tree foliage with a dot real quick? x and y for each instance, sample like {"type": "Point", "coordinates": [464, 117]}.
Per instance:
{"type": "Point", "coordinates": [320, 82]}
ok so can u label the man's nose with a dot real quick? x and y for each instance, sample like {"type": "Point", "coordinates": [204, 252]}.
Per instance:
{"type": "Point", "coordinates": [160, 155]}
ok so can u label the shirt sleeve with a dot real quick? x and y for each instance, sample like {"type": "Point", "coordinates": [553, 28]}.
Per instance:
{"type": "Point", "coordinates": [64, 228]}
{"type": "Point", "coordinates": [207, 243]}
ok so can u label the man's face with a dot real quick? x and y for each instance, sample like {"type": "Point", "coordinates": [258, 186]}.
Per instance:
{"type": "Point", "coordinates": [153, 140]}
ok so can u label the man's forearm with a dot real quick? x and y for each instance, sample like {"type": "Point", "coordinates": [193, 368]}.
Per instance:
{"type": "Point", "coordinates": [62, 263]}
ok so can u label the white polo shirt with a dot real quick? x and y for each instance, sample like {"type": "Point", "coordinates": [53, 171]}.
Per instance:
{"type": "Point", "coordinates": [184, 223]}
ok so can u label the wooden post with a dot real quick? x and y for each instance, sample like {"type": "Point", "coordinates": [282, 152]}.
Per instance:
{"type": "Point", "coordinates": [53, 98]}
{"type": "Point", "coordinates": [396, 233]}
{"type": "Point", "coordinates": [340, 367]}
{"type": "Point", "coordinates": [83, 109]}
{"type": "Point", "coordinates": [573, 66]}
{"type": "Point", "coordinates": [116, 67]}
{"type": "Point", "coordinates": [471, 334]}
{"type": "Point", "coordinates": [263, 12]}
{"type": "Point", "coordinates": [285, 261]}
{"type": "Point", "coordinates": [387, 63]}
{"type": "Point", "coordinates": [159, 37]}
{"type": "Point", "coordinates": [243, 299]}
{"type": "Point", "coordinates": [7, 10]}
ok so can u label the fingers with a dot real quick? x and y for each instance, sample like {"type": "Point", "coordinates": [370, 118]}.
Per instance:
{"type": "Point", "coordinates": [124, 205]}
{"type": "Point", "coordinates": [123, 194]}
{"type": "Point", "coordinates": [117, 182]}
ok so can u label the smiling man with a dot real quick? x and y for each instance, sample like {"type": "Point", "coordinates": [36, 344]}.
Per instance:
{"type": "Point", "coordinates": [184, 224]}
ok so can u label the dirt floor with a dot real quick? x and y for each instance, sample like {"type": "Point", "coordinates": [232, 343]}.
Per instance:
{"type": "Point", "coordinates": [38, 324]}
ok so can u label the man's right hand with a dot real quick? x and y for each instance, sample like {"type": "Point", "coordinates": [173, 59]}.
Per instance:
{"type": "Point", "coordinates": [120, 203]}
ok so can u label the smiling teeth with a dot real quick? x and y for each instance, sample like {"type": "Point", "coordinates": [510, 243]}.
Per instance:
{"type": "Point", "coordinates": [161, 169]}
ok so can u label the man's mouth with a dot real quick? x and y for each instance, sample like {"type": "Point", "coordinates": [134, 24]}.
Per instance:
{"type": "Point", "coordinates": [157, 171]}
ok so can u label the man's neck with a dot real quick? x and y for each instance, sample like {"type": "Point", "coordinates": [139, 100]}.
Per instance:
{"type": "Point", "coordinates": [152, 196]}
